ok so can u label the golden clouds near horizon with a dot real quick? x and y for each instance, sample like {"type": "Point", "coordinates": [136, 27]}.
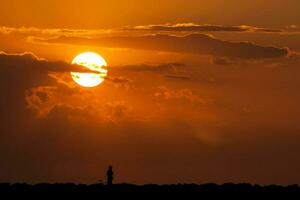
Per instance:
{"type": "Point", "coordinates": [93, 62]}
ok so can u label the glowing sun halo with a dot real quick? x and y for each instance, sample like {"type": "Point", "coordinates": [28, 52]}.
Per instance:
{"type": "Point", "coordinates": [95, 63]}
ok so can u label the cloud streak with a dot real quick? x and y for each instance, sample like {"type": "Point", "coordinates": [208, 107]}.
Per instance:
{"type": "Point", "coordinates": [149, 67]}
{"type": "Point", "coordinates": [194, 44]}
{"type": "Point", "coordinates": [175, 28]}
{"type": "Point", "coordinates": [192, 27]}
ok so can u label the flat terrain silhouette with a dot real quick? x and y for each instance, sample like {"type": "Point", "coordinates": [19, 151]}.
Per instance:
{"type": "Point", "coordinates": [151, 190]}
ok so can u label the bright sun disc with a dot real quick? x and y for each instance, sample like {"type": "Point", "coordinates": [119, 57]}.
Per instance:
{"type": "Point", "coordinates": [95, 63]}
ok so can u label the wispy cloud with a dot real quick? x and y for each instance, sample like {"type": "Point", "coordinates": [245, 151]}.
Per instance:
{"type": "Point", "coordinates": [192, 27]}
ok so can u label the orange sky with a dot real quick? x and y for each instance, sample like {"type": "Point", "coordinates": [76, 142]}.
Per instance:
{"type": "Point", "coordinates": [197, 91]}
{"type": "Point", "coordinates": [116, 13]}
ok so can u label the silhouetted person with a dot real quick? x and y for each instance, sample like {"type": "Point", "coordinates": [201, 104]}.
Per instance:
{"type": "Point", "coordinates": [110, 175]}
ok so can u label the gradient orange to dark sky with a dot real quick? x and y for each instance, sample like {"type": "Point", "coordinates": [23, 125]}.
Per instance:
{"type": "Point", "coordinates": [197, 91]}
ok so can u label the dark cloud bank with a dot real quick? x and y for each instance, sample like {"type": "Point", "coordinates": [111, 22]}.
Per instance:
{"type": "Point", "coordinates": [196, 44]}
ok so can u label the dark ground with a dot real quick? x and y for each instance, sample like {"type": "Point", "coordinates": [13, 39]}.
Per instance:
{"type": "Point", "coordinates": [240, 191]}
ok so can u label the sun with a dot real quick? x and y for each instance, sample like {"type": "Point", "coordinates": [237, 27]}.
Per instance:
{"type": "Point", "coordinates": [95, 63]}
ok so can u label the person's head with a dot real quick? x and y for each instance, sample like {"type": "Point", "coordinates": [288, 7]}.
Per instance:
{"type": "Point", "coordinates": [110, 167]}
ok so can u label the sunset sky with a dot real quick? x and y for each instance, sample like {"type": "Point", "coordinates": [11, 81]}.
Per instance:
{"type": "Point", "coordinates": [196, 91]}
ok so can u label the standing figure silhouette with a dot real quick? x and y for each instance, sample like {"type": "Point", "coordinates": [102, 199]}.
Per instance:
{"type": "Point", "coordinates": [110, 175]}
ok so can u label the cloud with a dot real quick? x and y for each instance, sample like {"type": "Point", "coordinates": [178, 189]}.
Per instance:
{"type": "Point", "coordinates": [293, 27]}
{"type": "Point", "coordinates": [119, 79]}
{"type": "Point", "coordinates": [25, 71]}
{"type": "Point", "coordinates": [182, 94]}
{"type": "Point", "coordinates": [26, 84]}
{"type": "Point", "coordinates": [222, 61]}
{"type": "Point", "coordinates": [180, 77]}
{"type": "Point", "coordinates": [180, 27]}
{"type": "Point", "coordinates": [52, 103]}
{"type": "Point", "coordinates": [149, 67]}
{"type": "Point", "coordinates": [53, 32]}
{"type": "Point", "coordinates": [192, 27]}
{"type": "Point", "coordinates": [119, 74]}
{"type": "Point", "coordinates": [195, 44]}
{"type": "Point", "coordinates": [115, 111]}
{"type": "Point", "coordinates": [26, 60]}
{"type": "Point", "coordinates": [41, 99]}
{"type": "Point", "coordinates": [62, 113]}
